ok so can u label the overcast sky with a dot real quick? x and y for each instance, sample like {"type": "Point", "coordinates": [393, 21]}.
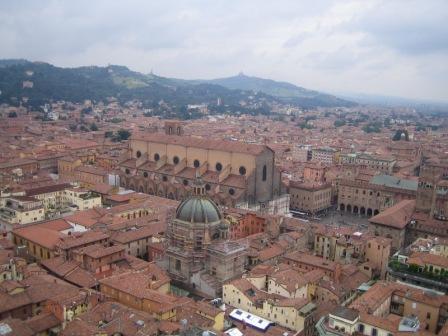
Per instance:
{"type": "Point", "coordinates": [391, 47]}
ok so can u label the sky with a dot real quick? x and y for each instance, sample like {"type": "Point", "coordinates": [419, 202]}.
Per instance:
{"type": "Point", "coordinates": [391, 47]}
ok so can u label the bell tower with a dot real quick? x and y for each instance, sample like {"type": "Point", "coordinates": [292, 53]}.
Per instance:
{"type": "Point", "coordinates": [430, 175]}
{"type": "Point", "coordinates": [174, 127]}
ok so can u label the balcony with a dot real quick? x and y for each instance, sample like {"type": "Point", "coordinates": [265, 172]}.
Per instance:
{"type": "Point", "coordinates": [414, 275]}
{"type": "Point", "coordinates": [88, 196]}
{"type": "Point", "coordinates": [323, 329]}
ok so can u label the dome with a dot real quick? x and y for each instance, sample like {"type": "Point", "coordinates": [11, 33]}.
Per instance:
{"type": "Point", "coordinates": [198, 209]}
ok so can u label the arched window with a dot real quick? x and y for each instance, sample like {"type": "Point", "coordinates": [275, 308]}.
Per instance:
{"type": "Point", "coordinates": [265, 173]}
{"type": "Point", "coordinates": [145, 174]}
{"type": "Point", "coordinates": [242, 170]}
{"type": "Point", "coordinates": [156, 157]}
{"type": "Point", "coordinates": [138, 154]}
{"type": "Point", "coordinates": [218, 166]}
{"type": "Point", "coordinates": [196, 163]}
{"type": "Point", "coordinates": [176, 160]}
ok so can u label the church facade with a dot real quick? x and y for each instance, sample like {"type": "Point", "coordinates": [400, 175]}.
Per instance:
{"type": "Point", "coordinates": [234, 173]}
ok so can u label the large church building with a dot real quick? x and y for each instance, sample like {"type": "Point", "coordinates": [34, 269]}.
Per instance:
{"type": "Point", "coordinates": [235, 173]}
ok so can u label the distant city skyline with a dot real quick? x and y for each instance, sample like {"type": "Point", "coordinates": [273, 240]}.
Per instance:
{"type": "Point", "coordinates": [390, 48]}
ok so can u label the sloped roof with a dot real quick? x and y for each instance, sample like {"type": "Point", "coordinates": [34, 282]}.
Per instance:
{"type": "Point", "coordinates": [223, 145]}
{"type": "Point", "coordinates": [394, 182]}
{"type": "Point", "coordinates": [397, 216]}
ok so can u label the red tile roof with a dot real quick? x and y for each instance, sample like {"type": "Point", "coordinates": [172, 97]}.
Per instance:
{"type": "Point", "coordinates": [226, 146]}
{"type": "Point", "coordinates": [397, 216]}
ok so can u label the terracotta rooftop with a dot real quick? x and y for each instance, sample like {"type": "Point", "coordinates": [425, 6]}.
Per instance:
{"type": "Point", "coordinates": [422, 259]}
{"type": "Point", "coordinates": [397, 216]}
{"type": "Point", "coordinates": [47, 189]}
{"type": "Point", "coordinates": [188, 141]}
{"type": "Point", "coordinates": [110, 318]}
{"type": "Point", "coordinates": [42, 236]}
{"type": "Point", "coordinates": [80, 239]}
{"type": "Point", "coordinates": [98, 251]}
{"type": "Point", "coordinates": [311, 260]}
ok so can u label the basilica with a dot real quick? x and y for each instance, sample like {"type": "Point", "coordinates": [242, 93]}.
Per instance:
{"type": "Point", "coordinates": [199, 255]}
{"type": "Point", "coordinates": [235, 174]}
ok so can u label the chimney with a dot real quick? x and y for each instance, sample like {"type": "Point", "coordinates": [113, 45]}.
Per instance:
{"type": "Point", "coordinates": [337, 273]}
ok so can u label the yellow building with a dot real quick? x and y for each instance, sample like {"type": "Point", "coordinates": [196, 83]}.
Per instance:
{"type": "Point", "coordinates": [146, 292]}
{"type": "Point", "coordinates": [441, 248]}
{"type": "Point", "coordinates": [51, 196]}
{"type": "Point", "coordinates": [40, 240]}
{"type": "Point", "coordinates": [310, 197]}
{"type": "Point", "coordinates": [428, 262]}
{"type": "Point", "coordinates": [296, 314]}
{"type": "Point", "coordinates": [82, 199]}
{"type": "Point", "coordinates": [22, 210]}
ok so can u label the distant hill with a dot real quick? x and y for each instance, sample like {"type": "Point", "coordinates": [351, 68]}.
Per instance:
{"type": "Point", "coordinates": [42, 82]}
{"type": "Point", "coordinates": [393, 101]}
{"type": "Point", "coordinates": [9, 62]}
{"type": "Point", "coordinates": [285, 91]}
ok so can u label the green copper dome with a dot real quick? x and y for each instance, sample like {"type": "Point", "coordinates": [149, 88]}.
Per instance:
{"type": "Point", "coordinates": [198, 209]}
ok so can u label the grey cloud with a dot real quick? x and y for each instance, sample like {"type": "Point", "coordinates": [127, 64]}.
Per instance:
{"type": "Point", "coordinates": [295, 40]}
{"type": "Point", "coordinates": [410, 27]}
{"type": "Point", "coordinates": [292, 40]}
